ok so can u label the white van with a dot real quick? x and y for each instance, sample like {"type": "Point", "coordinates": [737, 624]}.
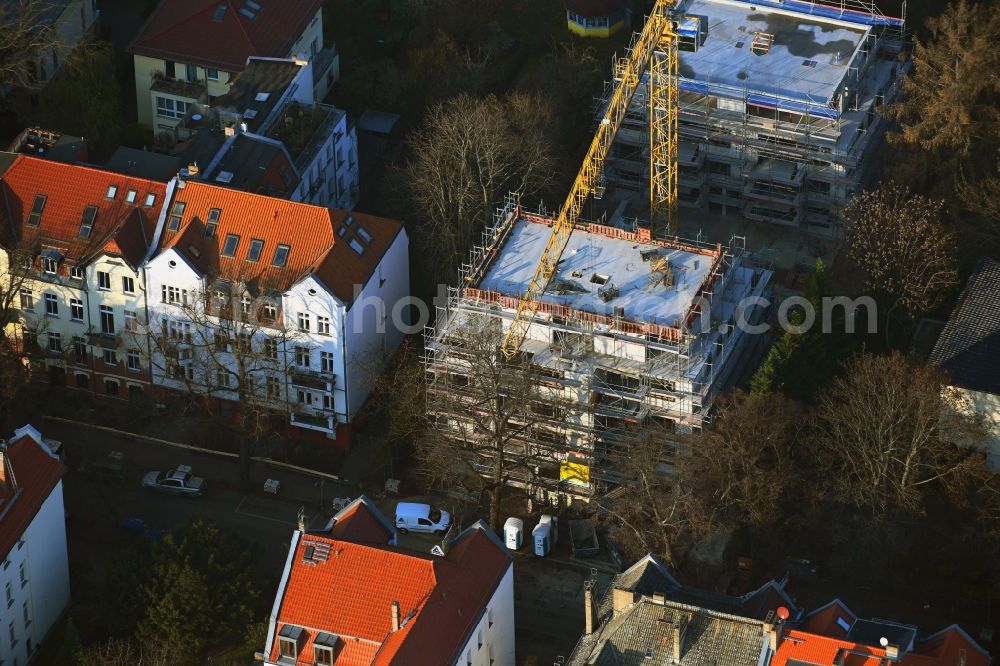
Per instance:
{"type": "Point", "coordinates": [421, 518]}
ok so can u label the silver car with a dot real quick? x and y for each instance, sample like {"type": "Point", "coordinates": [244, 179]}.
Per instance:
{"type": "Point", "coordinates": [176, 482]}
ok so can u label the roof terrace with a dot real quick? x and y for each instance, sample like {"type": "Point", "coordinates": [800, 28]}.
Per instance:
{"type": "Point", "coordinates": [303, 129]}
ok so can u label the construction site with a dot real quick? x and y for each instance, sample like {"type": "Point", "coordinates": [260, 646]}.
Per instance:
{"type": "Point", "coordinates": [780, 110]}
{"type": "Point", "coordinates": [765, 110]}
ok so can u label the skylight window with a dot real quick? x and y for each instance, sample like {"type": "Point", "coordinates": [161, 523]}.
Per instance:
{"type": "Point", "coordinates": [229, 247]}
{"type": "Point", "coordinates": [356, 246]}
{"type": "Point", "coordinates": [364, 235]}
{"type": "Point", "coordinates": [256, 246]}
{"type": "Point", "coordinates": [280, 256]}
{"type": "Point", "coordinates": [112, 191]}
{"type": "Point", "coordinates": [349, 221]}
{"type": "Point", "coordinates": [35, 216]}
{"type": "Point", "coordinates": [174, 223]}
{"type": "Point", "coordinates": [212, 222]}
{"type": "Point", "coordinates": [341, 231]}
{"type": "Point", "coordinates": [225, 177]}
{"type": "Point", "coordinates": [219, 13]}
{"type": "Point", "coordinates": [262, 96]}
{"type": "Point", "coordinates": [150, 199]}
{"type": "Point", "coordinates": [87, 223]}
{"type": "Point", "coordinates": [246, 12]}
{"type": "Point", "coordinates": [130, 196]}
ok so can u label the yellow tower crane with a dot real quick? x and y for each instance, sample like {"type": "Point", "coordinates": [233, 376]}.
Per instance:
{"type": "Point", "coordinates": [655, 50]}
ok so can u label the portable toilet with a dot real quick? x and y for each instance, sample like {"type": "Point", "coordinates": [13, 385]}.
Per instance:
{"type": "Point", "coordinates": [513, 532]}
{"type": "Point", "coordinates": [541, 538]}
{"type": "Point", "coordinates": [553, 523]}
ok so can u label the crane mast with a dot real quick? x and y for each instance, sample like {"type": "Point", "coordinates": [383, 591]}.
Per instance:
{"type": "Point", "coordinates": [655, 50]}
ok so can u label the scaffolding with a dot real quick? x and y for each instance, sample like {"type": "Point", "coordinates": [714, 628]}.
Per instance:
{"type": "Point", "coordinates": [599, 379]}
{"type": "Point", "coordinates": [790, 150]}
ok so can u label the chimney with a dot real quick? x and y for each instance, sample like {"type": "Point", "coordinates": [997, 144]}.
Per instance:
{"type": "Point", "coordinates": [588, 608]}
{"type": "Point", "coordinates": [773, 627]}
{"type": "Point", "coordinates": [395, 616]}
{"type": "Point", "coordinates": [302, 519]}
{"type": "Point", "coordinates": [621, 599]}
{"type": "Point", "coordinates": [892, 652]}
{"type": "Point", "coordinates": [675, 641]}
{"type": "Point", "coordinates": [193, 168]}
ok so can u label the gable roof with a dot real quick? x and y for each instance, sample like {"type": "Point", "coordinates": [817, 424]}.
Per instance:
{"type": "Point", "coordinates": [36, 472]}
{"type": "Point", "coordinates": [826, 620]}
{"type": "Point", "coordinates": [947, 646]}
{"type": "Point", "coordinates": [348, 592]}
{"type": "Point", "coordinates": [969, 347]}
{"type": "Point", "coordinates": [186, 31]}
{"type": "Point", "coordinates": [120, 227]}
{"type": "Point", "coordinates": [361, 522]}
{"type": "Point", "coordinates": [310, 232]}
{"type": "Point", "coordinates": [799, 647]}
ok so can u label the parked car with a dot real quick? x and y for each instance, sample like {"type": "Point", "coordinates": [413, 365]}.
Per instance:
{"type": "Point", "coordinates": [421, 518]}
{"type": "Point", "coordinates": [176, 482]}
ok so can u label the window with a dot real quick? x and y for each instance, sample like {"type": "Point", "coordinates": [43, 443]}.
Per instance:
{"type": "Point", "coordinates": [326, 361]}
{"type": "Point", "coordinates": [132, 360]}
{"type": "Point", "coordinates": [280, 256]}
{"type": "Point", "coordinates": [489, 616]}
{"type": "Point", "coordinates": [131, 321]}
{"type": "Point", "coordinates": [170, 294]}
{"type": "Point", "coordinates": [30, 339]}
{"type": "Point", "coordinates": [110, 387]}
{"type": "Point", "coordinates": [10, 594]}
{"type": "Point", "coordinates": [323, 655]}
{"type": "Point", "coordinates": [304, 321]}
{"type": "Point", "coordinates": [222, 377]}
{"type": "Point", "coordinates": [130, 196]}
{"type": "Point", "coordinates": [87, 221]}
{"type": "Point", "coordinates": [26, 614]}
{"type": "Point", "coordinates": [271, 349]}
{"type": "Point", "coordinates": [76, 309]}
{"type": "Point", "coordinates": [323, 325]}
{"type": "Point", "coordinates": [27, 300]}
{"type": "Point", "coordinates": [107, 320]}
{"type": "Point", "coordinates": [112, 191]}
{"type": "Point", "coordinates": [245, 305]}
{"type": "Point", "coordinates": [364, 235]}
{"type": "Point", "coordinates": [305, 397]}
{"type": "Point", "coordinates": [50, 265]}
{"type": "Point", "coordinates": [244, 343]}
{"type": "Point", "coordinates": [268, 313]}
{"type": "Point", "coordinates": [229, 247]}
{"type": "Point", "coordinates": [171, 108]}
{"type": "Point", "coordinates": [174, 223]}
{"type": "Point", "coordinates": [286, 648]}
{"type": "Point", "coordinates": [179, 330]}
{"type": "Point", "coordinates": [10, 629]}
{"type": "Point", "coordinates": [55, 344]}
{"type": "Point", "coordinates": [192, 72]}
{"type": "Point", "coordinates": [213, 74]}
{"type": "Point", "coordinates": [150, 200]}
{"type": "Point", "coordinates": [212, 222]}
{"type": "Point", "coordinates": [256, 245]}
{"type": "Point", "coordinates": [37, 207]}
{"type": "Point", "coordinates": [103, 281]}
{"type": "Point", "coordinates": [273, 387]}
{"type": "Point", "coordinates": [80, 349]}
{"type": "Point", "coordinates": [110, 357]}
{"type": "Point", "coordinates": [356, 246]}
{"type": "Point", "coordinates": [76, 272]}
{"type": "Point", "coordinates": [128, 285]}
{"type": "Point", "coordinates": [51, 305]}
{"type": "Point", "coordinates": [302, 357]}
{"type": "Point", "coordinates": [327, 401]}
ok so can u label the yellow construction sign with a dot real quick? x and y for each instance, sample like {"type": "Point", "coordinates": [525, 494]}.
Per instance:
{"type": "Point", "coordinates": [574, 472]}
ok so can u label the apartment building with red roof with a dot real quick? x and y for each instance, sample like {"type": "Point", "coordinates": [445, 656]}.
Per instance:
{"type": "Point", "coordinates": [188, 51]}
{"type": "Point", "coordinates": [73, 241]}
{"type": "Point", "coordinates": [347, 596]}
{"type": "Point", "coordinates": [35, 570]}
{"type": "Point", "coordinates": [288, 307]}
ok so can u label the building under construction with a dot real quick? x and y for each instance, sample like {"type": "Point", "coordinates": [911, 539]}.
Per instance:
{"type": "Point", "coordinates": [630, 331]}
{"type": "Point", "coordinates": [780, 109]}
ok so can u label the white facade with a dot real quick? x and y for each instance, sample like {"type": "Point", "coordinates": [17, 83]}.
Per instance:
{"type": "Point", "coordinates": [986, 408]}
{"type": "Point", "coordinates": [492, 640]}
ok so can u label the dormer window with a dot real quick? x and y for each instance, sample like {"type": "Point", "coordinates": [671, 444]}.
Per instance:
{"type": "Point", "coordinates": [229, 247]}
{"type": "Point", "coordinates": [268, 313]}
{"type": "Point", "coordinates": [323, 646]}
{"type": "Point", "coordinates": [280, 256]}
{"type": "Point", "coordinates": [174, 223]}
{"type": "Point", "coordinates": [76, 272]}
{"type": "Point", "coordinates": [130, 196]}
{"type": "Point", "coordinates": [35, 216]}
{"type": "Point", "coordinates": [212, 222]}
{"type": "Point", "coordinates": [50, 265]}
{"type": "Point", "coordinates": [112, 191]}
{"type": "Point", "coordinates": [290, 639]}
{"type": "Point", "coordinates": [87, 222]}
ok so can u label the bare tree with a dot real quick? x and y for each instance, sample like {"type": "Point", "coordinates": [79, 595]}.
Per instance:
{"type": "Point", "coordinates": [27, 34]}
{"type": "Point", "coordinates": [120, 652]}
{"type": "Point", "coordinates": [488, 412]}
{"type": "Point", "coordinates": [468, 154]}
{"type": "Point", "coordinates": [227, 352]}
{"type": "Point", "coordinates": [888, 435]}
{"type": "Point", "coordinates": [19, 331]}
{"type": "Point", "coordinates": [907, 254]}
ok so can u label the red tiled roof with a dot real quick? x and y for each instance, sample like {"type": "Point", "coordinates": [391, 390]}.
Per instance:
{"type": "Point", "coordinates": [185, 31]}
{"type": "Point", "coordinates": [120, 228]}
{"type": "Point", "coordinates": [357, 523]}
{"type": "Point", "coordinates": [350, 595]}
{"type": "Point", "coordinates": [309, 231]}
{"type": "Point", "coordinates": [945, 648]}
{"type": "Point", "coordinates": [37, 473]}
{"type": "Point", "coordinates": [800, 646]}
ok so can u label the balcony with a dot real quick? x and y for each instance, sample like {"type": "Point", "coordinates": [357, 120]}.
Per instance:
{"type": "Point", "coordinates": [325, 69]}
{"type": "Point", "coordinates": [316, 379]}
{"type": "Point", "coordinates": [312, 421]}
{"type": "Point", "coordinates": [179, 88]}
{"type": "Point", "coordinates": [104, 340]}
